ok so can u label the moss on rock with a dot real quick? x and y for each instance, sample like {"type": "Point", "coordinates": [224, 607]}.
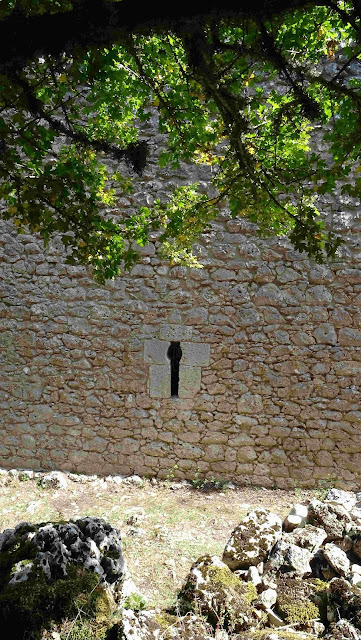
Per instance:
{"type": "Point", "coordinates": [33, 605]}
{"type": "Point", "coordinates": [20, 552]}
{"type": "Point", "coordinates": [296, 601]}
{"type": "Point", "coordinates": [212, 590]}
{"type": "Point", "coordinates": [295, 612]}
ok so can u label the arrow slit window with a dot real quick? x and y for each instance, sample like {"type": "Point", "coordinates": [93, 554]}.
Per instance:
{"type": "Point", "coordinates": [174, 354]}
{"type": "Point", "coordinates": [175, 366]}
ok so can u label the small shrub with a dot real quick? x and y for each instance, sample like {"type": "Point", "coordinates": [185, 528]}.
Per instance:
{"type": "Point", "coordinates": [135, 602]}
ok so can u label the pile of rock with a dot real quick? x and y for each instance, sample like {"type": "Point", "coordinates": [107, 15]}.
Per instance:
{"type": "Point", "coordinates": [292, 580]}
{"type": "Point", "coordinates": [60, 479]}
{"type": "Point", "coordinates": [300, 576]}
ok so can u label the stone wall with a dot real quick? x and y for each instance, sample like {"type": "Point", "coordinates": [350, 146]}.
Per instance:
{"type": "Point", "coordinates": [269, 375]}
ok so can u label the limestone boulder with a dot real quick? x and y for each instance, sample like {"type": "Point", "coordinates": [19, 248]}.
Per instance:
{"type": "Point", "coordinates": [337, 559]}
{"type": "Point", "coordinates": [291, 522]}
{"type": "Point", "coordinates": [253, 575]}
{"type": "Point", "coordinates": [331, 517]}
{"type": "Point", "coordinates": [155, 625]}
{"type": "Point", "coordinates": [212, 590]}
{"type": "Point", "coordinates": [54, 480]}
{"type": "Point", "coordinates": [135, 626]}
{"type": "Point", "coordinates": [289, 558]}
{"type": "Point", "coordinates": [252, 540]}
{"type": "Point", "coordinates": [296, 518]}
{"type": "Point", "coordinates": [46, 570]}
{"type": "Point", "coordinates": [346, 499]}
{"type": "Point", "coordinates": [267, 598]}
{"type": "Point", "coordinates": [355, 575]}
{"type": "Point", "coordinates": [355, 514]}
{"type": "Point", "coordinates": [307, 537]}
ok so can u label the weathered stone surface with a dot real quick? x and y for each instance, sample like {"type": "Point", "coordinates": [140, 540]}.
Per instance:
{"type": "Point", "coordinates": [267, 598]}
{"type": "Point", "coordinates": [155, 351]}
{"type": "Point", "coordinates": [254, 576]}
{"type": "Point", "coordinates": [195, 354]}
{"type": "Point", "coordinates": [159, 381]}
{"type": "Point", "coordinates": [331, 517]}
{"type": "Point", "coordinates": [44, 568]}
{"type": "Point", "coordinates": [214, 591]}
{"type": "Point", "coordinates": [189, 381]}
{"type": "Point", "coordinates": [355, 575]}
{"type": "Point", "coordinates": [345, 498]}
{"type": "Point", "coordinates": [250, 403]}
{"type": "Point", "coordinates": [299, 510]}
{"type": "Point", "coordinates": [337, 559]}
{"type": "Point", "coordinates": [269, 294]}
{"type": "Point", "coordinates": [175, 333]}
{"type": "Point", "coordinates": [55, 480]}
{"type": "Point", "coordinates": [326, 334]}
{"type": "Point", "coordinates": [287, 557]}
{"type": "Point", "coordinates": [307, 537]}
{"type": "Point", "coordinates": [247, 317]}
{"type": "Point", "coordinates": [137, 625]}
{"type": "Point", "coordinates": [86, 542]}
{"type": "Point", "coordinates": [252, 540]}
{"type": "Point", "coordinates": [291, 522]}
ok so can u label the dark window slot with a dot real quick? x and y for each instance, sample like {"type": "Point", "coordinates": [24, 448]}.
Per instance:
{"type": "Point", "coordinates": [174, 354]}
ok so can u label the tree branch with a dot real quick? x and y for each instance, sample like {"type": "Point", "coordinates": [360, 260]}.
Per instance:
{"type": "Point", "coordinates": [102, 23]}
{"type": "Point", "coordinates": [134, 154]}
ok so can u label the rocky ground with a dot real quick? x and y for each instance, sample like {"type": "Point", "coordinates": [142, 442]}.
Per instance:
{"type": "Point", "coordinates": [279, 572]}
{"type": "Point", "coordinates": [165, 526]}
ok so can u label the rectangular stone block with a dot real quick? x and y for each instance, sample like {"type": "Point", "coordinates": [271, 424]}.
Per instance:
{"type": "Point", "coordinates": [189, 381]}
{"type": "Point", "coordinates": [175, 333]}
{"type": "Point", "coordinates": [155, 351]}
{"type": "Point", "coordinates": [195, 354]}
{"type": "Point", "coordinates": [159, 381]}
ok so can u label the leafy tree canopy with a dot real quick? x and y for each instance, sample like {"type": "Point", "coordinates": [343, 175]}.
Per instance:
{"type": "Point", "coordinates": [241, 92]}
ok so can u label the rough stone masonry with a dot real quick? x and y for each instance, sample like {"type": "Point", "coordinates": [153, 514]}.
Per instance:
{"type": "Point", "coordinates": [266, 378]}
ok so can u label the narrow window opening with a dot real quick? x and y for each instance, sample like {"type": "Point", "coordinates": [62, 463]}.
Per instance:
{"type": "Point", "coordinates": [174, 354]}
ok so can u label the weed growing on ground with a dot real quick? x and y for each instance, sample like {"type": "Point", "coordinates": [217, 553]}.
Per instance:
{"type": "Point", "coordinates": [135, 601]}
{"type": "Point", "coordinates": [206, 484]}
{"type": "Point", "coordinates": [170, 475]}
{"type": "Point", "coordinates": [298, 491]}
{"type": "Point", "coordinates": [324, 486]}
